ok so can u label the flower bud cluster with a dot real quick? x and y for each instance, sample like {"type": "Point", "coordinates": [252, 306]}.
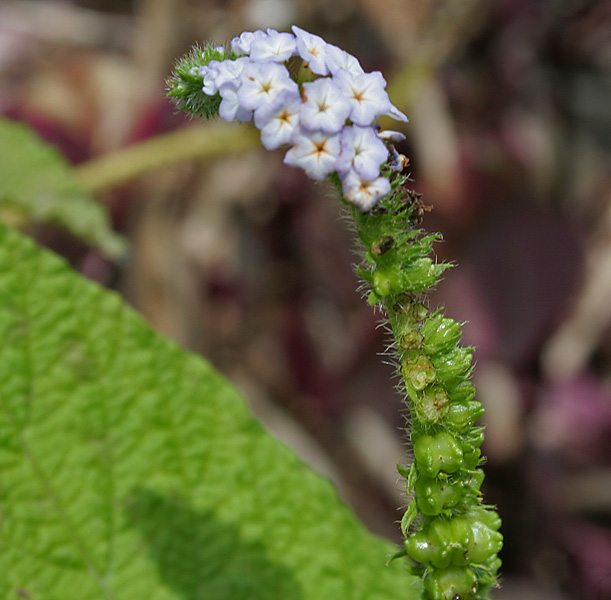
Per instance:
{"type": "Point", "coordinates": [313, 96]}
{"type": "Point", "coordinates": [451, 537]}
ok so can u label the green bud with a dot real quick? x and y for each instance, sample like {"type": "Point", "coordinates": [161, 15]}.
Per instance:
{"type": "Point", "coordinates": [485, 543]}
{"type": "Point", "coordinates": [419, 372]}
{"type": "Point", "coordinates": [463, 392]}
{"type": "Point", "coordinates": [493, 565]}
{"type": "Point", "coordinates": [440, 542]}
{"type": "Point", "coordinates": [454, 364]}
{"type": "Point", "coordinates": [458, 541]}
{"type": "Point", "coordinates": [387, 280]}
{"type": "Point", "coordinates": [487, 578]}
{"type": "Point", "coordinates": [435, 495]}
{"type": "Point", "coordinates": [463, 414]}
{"type": "Point", "coordinates": [432, 405]}
{"type": "Point", "coordinates": [185, 84]}
{"type": "Point", "coordinates": [473, 437]}
{"type": "Point", "coordinates": [435, 453]}
{"type": "Point", "coordinates": [440, 334]}
{"type": "Point", "coordinates": [470, 443]}
{"type": "Point", "coordinates": [489, 517]}
{"type": "Point", "coordinates": [422, 274]}
{"type": "Point", "coordinates": [472, 458]}
{"type": "Point", "coordinates": [381, 283]}
{"type": "Point", "coordinates": [451, 583]}
{"type": "Point", "coordinates": [473, 480]}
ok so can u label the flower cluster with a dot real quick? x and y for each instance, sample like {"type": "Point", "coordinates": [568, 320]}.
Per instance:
{"type": "Point", "coordinates": [313, 96]}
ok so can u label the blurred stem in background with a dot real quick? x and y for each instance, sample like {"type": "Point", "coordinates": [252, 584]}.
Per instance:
{"type": "Point", "coordinates": [196, 142]}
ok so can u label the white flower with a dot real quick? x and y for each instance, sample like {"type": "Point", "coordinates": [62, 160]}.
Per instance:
{"type": "Point", "coordinates": [340, 59]}
{"type": "Point", "coordinates": [315, 152]}
{"type": "Point", "coordinates": [230, 108]}
{"type": "Point", "coordinates": [312, 49]}
{"type": "Point", "coordinates": [324, 106]}
{"type": "Point", "coordinates": [361, 151]}
{"type": "Point", "coordinates": [217, 73]}
{"type": "Point", "coordinates": [241, 45]}
{"type": "Point", "coordinates": [366, 94]}
{"type": "Point", "coordinates": [364, 193]}
{"type": "Point", "coordinates": [278, 122]}
{"type": "Point", "coordinates": [262, 82]}
{"type": "Point", "coordinates": [276, 47]}
{"type": "Point", "coordinates": [209, 73]}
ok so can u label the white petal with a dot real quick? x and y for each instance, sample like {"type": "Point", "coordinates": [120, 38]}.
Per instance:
{"type": "Point", "coordinates": [277, 47]}
{"type": "Point", "coordinates": [316, 153]}
{"type": "Point", "coordinates": [388, 135]}
{"type": "Point", "coordinates": [324, 107]}
{"type": "Point", "coordinates": [396, 114]}
{"type": "Point", "coordinates": [362, 152]}
{"type": "Point", "coordinates": [312, 49]}
{"type": "Point", "coordinates": [241, 44]}
{"type": "Point", "coordinates": [339, 59]}
{"type": "Point", "coordinates": [278, 123]}
{"type": "Point", "coordinates": [262, 82]}
{"type": "Point", "coordinates": [366, 94]}
{"type": "Point", "coordinates": [364, 193]}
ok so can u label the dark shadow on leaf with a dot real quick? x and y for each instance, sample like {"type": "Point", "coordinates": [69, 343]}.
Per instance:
{"type": "Point", "coordinates": [201, 558]}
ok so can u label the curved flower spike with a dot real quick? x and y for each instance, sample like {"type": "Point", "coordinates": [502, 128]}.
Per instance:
{"type": "Point", "coordinates": [329, 124]}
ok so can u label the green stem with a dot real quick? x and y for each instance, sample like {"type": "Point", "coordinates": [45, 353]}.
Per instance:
{"type": "Point", "coordinates": [210, 140]}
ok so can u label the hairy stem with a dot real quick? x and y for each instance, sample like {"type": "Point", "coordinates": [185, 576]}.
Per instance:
{"type": "Point", "coordinates": [451, 538]}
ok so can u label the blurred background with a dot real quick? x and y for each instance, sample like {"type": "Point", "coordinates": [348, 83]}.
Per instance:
{"type": "Point", "coordinates": [244, 260]}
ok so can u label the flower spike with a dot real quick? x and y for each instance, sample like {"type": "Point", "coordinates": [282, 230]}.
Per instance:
{"type": "Point", "coordinates": [312, 97]}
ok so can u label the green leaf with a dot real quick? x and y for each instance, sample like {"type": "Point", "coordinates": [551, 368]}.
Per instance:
{"type": "Point", "coordinates": [37, 184]}
{"type": "Point", "coordinates": [131, 470]}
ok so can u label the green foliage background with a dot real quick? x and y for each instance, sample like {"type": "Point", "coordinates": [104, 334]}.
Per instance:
{"type": "Point", "coordinates": [37, 185]}
{"type": "Point", "coordinates": [130, 469]}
